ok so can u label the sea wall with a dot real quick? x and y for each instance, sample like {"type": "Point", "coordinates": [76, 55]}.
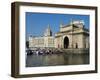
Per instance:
{"type": "Point", "coordinates": [77, 51]}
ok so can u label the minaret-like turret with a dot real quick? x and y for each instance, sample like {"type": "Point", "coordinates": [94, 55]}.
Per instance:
{"type": "Point", "coordinates": [48, 31]}
{"type": "Point", "coordinates": [61, 24]}
{"type": "Point", "coordinates": [79, 23]}
{"type": "Point", "coordinates": [71, 21]}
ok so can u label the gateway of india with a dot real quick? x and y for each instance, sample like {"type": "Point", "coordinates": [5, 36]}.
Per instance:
{"type": "Point", "coordinates": [72, 35]}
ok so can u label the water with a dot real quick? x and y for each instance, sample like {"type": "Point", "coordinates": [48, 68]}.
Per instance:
{"type": "Point", "coordinates": [56, 59]}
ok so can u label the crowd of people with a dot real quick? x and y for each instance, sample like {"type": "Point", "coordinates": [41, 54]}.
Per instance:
{"type": "Point", "coordinates": [43, 51]}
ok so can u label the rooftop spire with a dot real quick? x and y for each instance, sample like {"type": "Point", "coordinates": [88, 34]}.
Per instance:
{"type": "Point", "coordinates": [48, 31]}
{"type": "Point", "coordinates": [71, 21]}
{"type": "Point", "coordinates": [61, 24]}
{"type": "Point", "coordinates": [48, 26]}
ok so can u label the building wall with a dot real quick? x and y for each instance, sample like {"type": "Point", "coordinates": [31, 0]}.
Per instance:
{"type": "Point", "coordinates": [76, 40]}
{"type": "Point", "coordinates": [65, 29]}
{"type": "Point", "coordinates": [41, 41]}
{"type": "Point", "coordinates": [59, 42]}
{"type": "Point", "coordinates": [77, 37]}
{"type": "Point", "coordinates": [36, 42]}
{"type": "Point", "coordinates": [49, 41]}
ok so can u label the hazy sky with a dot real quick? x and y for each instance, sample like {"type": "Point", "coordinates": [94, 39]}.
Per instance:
{"type": "Point", "coordinates": [36, 23]}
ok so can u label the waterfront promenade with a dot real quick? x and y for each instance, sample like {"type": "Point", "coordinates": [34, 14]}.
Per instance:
{"type": "Point", "coordinates": [54, 57]}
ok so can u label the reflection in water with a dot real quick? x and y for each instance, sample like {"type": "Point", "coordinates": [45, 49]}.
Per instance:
{"type": "Point", "coordinates": [56, 59]}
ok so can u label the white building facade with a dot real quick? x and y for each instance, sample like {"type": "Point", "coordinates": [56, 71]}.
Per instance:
{"type": "Point", "coordinates": [73, 35]}
{"type": "Point", "coordinates": [45, 41]}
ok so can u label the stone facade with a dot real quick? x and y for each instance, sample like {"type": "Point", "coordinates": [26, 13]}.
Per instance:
{"type": "Point", "coordinates": [73, 35]}
{"type": "Point", "coordinates": [45, 41]}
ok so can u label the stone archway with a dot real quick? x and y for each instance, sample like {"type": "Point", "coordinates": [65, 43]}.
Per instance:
{"type": "Point", "coordinates": [66, 42]}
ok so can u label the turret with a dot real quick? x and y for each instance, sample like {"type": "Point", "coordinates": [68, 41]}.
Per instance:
{"type": "Point", "coordinates": [48, 31]}
{"type": "Point", "coordinates": [78, 23]}
{"type": "Point", "coordinates": [61, 24]}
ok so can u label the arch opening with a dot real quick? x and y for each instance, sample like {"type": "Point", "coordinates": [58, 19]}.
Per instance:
{"type": "Point", "coordinates": [66, 42]}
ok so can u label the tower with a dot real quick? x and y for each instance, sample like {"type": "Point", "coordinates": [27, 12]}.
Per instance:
{"type": "Point", "coordinates": [48, 31]}
{"type": "Point", "coordinates": [61, 24]}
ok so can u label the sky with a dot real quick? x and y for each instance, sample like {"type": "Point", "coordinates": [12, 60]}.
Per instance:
{"type": "Point", "coordinates": [36, 23]}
